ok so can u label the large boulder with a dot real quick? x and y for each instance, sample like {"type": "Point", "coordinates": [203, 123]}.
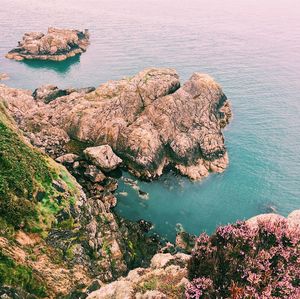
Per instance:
{"type": "Point", "coordinates": [56, 44]}
{"type": "Point", "coordinates": [103, 157]}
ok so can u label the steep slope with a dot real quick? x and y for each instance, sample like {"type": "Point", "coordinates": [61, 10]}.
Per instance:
{"type": "Point", "coordinates": [54, 240]}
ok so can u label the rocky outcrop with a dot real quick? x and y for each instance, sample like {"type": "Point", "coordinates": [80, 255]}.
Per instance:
{"type": "Point", "coordinates": [165, 278]}
{"type": "Point", "coordinates": [167, 275]}
{"type": "Point", "coordinates": [56, 44]}
{"type": "Point", "coordinates": [57, 236]}
{"type": "Point", "coordinates": [103, 157]}
{"type": "Point", "coordinates": [48, 93]}
{"type": "Point", "coordinates": [148, 120]}
{"type": "Point", "coordinates": [293, 219]}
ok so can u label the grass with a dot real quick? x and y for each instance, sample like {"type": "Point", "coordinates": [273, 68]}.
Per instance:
{"type": "Point", "coordinates": [19, 276]}
{"type": "Point", "coordinates": [24, 173]}
{"type": "Point", "coordinates": [167, 284]}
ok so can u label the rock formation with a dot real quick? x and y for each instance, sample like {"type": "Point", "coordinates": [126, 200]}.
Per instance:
{"type": "Point", "coordinates": [149, 121]}
{"type": "Point", "coordinates": [56, 235]}
{"type": "Point", "coordinates": [56, 44]}
{"type": "Point", "coordinates": [165, 278]}
{"type": "Point", "coordinates": [167, 275]}
{"type": "Point", "coordinates": [103, 157]}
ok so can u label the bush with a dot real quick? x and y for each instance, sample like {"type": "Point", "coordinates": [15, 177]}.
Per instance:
{"type": "Point", "coordinates": [240, 261]}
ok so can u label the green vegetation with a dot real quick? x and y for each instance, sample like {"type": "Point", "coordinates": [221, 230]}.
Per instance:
{"type": "Point", "coordinates": [28, 198]}
{"type": "Point", "coordinates": [167, 284]}
{"type": "Point", "coordinates": [19, 276]}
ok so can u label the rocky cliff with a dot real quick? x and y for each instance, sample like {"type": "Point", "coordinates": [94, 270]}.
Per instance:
{"type": "Point", "coordinates": [149, 121]}
{"type": "Point", "coordinates": [56, 44]}
{"type": "Point", "coordinates": [57, 237]}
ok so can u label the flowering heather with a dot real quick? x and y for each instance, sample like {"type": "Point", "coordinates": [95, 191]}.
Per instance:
{"type": "Point", "coordinates": [242, 261]}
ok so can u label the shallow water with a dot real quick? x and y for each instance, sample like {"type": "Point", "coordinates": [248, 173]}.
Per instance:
{"type": "Point", "coordinates": [251, 47]}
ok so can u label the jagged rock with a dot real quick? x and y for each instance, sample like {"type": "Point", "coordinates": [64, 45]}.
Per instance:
{"type": "Point", "coordinates": [94, 174]}
{"type": "Point", "coordinates": [67, 158]}
{"type": "Point", "coordinates": [103, 157]}
{"type": "Point", "coordinates": [57, 45]}
{"type": "Point", "coordinates": [49, 93]}
{"type": "Point", "coordinates": [161, 260]}
{"type": "Point", "coordinates": [162, 275]}
{"type": "Point", "coordinates": [148, 120]}
{"type": "Point", "coordinates": [77, 238]}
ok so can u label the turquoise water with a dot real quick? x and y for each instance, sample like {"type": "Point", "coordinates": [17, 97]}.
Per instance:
{"type": "Point", "coordinates": [251, 47]}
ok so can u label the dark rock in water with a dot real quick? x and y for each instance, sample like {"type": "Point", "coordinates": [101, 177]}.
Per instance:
{"type": "Point", "coordinates": [143, 194]}
{"type": "Point", "coordinates": [146, 226]}
{"type": "Point", "coordinates": [116, 173]}
{"type": "Point", "coordinates": [56, 44]}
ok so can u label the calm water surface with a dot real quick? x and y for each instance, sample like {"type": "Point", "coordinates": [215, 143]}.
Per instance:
{"type": "Point", "coordinates": [251, 47]}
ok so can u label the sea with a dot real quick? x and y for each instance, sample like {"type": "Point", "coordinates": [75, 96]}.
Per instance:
{"type": "Point", "coordinates": [251, 47]}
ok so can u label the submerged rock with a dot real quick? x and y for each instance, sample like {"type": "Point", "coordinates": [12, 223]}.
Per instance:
{"type": "Point", "coordinates": [149, 121]}
{"type": "Point", "coordinates": [142, 194]}
{"type": "Point", "coordinates": [3, 76]}
{"type": "Point", "coordinates": [56, 44]}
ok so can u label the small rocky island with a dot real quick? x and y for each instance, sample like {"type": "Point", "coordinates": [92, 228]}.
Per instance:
{"type": "Point", "coordinates": [149, 120]}
{"type": "Point", "coordinates": [56, 44]}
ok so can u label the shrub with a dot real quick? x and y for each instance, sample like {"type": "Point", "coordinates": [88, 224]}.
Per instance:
{"type": "Point", "coordinates": [240, 261]}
